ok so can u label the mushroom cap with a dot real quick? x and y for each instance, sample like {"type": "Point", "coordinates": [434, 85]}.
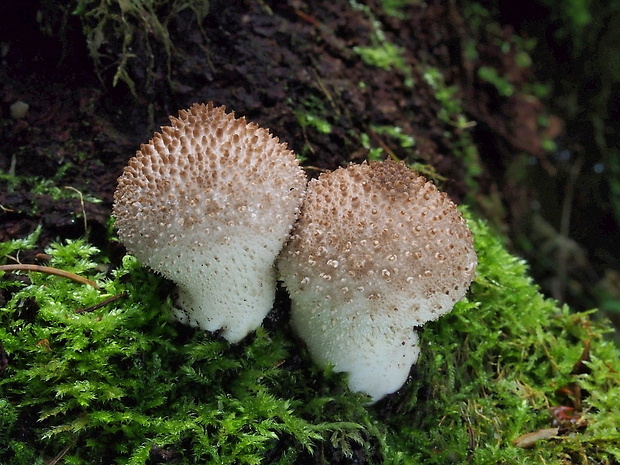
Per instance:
{"type": "Point", "coordinates": [209, 203]}
{"type": "Point", "coordinates": [376, 252]}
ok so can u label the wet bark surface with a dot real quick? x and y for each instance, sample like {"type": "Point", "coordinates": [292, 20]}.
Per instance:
{"type": "Point", "coordinates": [267, 63]}
{"type": "Point", "coordinates": [274, 63]}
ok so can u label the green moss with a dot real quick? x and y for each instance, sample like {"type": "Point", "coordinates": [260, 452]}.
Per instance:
{"type": "Point", "coordinates": [381, 53]}
{"type": "Point", "coordinates": [397, 8]}
{"type": "Point", "coordinates": [384, 55]}
{"type": "Point", "coordinates": [394, 133]}
{"type": "Point", "coordinates": [374, 153]}
{"type": "Point", "coordinates": [403, 140]}
{"type": "Point", "coordinates": [14, 182]}
{"type": "Point", "coordinates": [313, 113]}
{"type": "Point", "coordinates": [500, 361]}
{"type": "Point", "coordinates": [458, 136]}
{"type": "Point", "coordinates": [490, 75]}
{"type": "Point", "coordinates": [122, 383]}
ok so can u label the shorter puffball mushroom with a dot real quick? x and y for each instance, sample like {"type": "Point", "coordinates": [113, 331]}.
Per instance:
{"type": "Point", "coordinates": [209, 203]}
{"type": "Point", "coordinates": [377, 251]}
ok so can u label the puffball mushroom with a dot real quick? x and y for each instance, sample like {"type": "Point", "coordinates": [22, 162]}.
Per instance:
{"type": "Point", "coordinates": [209, 203]}
{"type": "Point", "coordinates": [377, 251]}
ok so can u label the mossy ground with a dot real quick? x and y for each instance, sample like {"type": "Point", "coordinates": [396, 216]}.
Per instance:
{"type": "Point", "coordinates": [123, 383]}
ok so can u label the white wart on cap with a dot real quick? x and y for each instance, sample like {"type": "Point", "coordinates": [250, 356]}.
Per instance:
{"type": "Point", "coordinates": [209, 203]}
{"type": "Point", "coordinates": [376, 252]}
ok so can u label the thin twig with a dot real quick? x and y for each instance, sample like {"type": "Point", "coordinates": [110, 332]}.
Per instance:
{"type": "Point", "coordinates": [314, 168]}
{"type": "Point", "coordinates": [61, 454]}
{"type": "Point", "coordinates": [49, 270]}
{"type": "Point", "coordinates": [325, 90]}
{"type": "Point", "coordinates": [384, 146]}
{"type": "Point", "coordinates": [567, 204]}
{"type": "Point", "coordinates": [103, 303]}
{"type": "Point", "coordinates": [308, 18]}
{"type": "Point", "coordinates": [82, 205]}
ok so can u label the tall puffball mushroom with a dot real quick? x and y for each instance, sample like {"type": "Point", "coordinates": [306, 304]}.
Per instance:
{"type": "Point", "coordinates": [376, 252]}
{"type": "Point", "coordinates": [209, 203]}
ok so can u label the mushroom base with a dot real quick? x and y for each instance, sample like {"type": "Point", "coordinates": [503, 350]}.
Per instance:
{"type": "Point", "coordinates": [377, 351]}
{"type": "Point", "coordinates": [235, 318]}
{"type": "Point", "coordinates": [230, 287]}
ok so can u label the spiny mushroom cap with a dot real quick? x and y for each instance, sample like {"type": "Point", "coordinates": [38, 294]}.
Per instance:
{"type": "Point", "coordinates": [377, 251]}
{"type": "Point", "coordinates": [209, 203]}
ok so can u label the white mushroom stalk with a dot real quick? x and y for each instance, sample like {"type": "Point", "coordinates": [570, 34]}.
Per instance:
{"type": "Point", "coordinates": [376, 252]}
{"type": "Point", "coordinates": [209, 203]}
